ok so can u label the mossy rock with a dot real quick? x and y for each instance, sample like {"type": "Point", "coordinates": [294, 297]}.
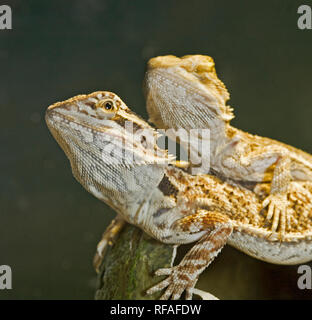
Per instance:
{"type": "Point", "coordinates": [129, 266]}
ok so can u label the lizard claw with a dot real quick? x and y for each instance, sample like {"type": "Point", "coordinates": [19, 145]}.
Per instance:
{"type": "Point", "coordinates": [176, 283]}
{"type": "Point", "coordinates": [277, 209]}
{"type": "Point", "coordinates": [204, 295]}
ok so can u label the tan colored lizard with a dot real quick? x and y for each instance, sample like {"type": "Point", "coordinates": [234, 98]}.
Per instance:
{"type": "Point", "coordinates": [114, 155]}
{"type": "Point", "coordinates": [186, 93]}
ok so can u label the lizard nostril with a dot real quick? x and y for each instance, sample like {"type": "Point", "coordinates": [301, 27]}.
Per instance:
{"type": "Point", "coordinates": [93, 106]}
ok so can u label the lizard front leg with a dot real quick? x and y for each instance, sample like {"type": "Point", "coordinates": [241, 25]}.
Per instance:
{"type": "Point", "coordinates": [276, 201]}
{"type": "Point", "coordinates": [256, 167]}
{"type": "Point", "coordinates": [216, 229]}
{"type": "Point", "coordinates": [107, 239]}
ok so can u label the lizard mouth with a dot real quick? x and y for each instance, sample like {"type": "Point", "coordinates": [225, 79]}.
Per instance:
{"type": "Point", "coordinates": [56, 118]}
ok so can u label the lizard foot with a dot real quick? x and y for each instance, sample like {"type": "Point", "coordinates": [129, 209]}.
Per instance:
{"type": "Point", "coordinates": [277, 209]}
{"type": "Point", "coordinates": [176, 283]}
{"type": "Point", "coordinates": [108, 238]}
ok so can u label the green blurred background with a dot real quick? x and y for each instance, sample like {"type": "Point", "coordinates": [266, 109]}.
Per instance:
{"type": "Point", "coordinates": [49, 225]}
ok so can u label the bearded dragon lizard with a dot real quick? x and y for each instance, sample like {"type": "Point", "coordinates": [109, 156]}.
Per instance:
{"type": "Point", "coordinates": [113, 154]}
{"type": "Point", "coordinates": [186, 93]}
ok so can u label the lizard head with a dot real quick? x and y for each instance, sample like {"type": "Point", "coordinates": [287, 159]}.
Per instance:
{"type": "Point", "coordinates": [112, 152]}
{"type": "Point", "coordinates": [185, 92]}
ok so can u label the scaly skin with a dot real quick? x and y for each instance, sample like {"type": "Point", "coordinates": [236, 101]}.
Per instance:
{"type": "Point", "coordinates": [146, 188]}
{"type": "Point", "coordinates": [186, 93]}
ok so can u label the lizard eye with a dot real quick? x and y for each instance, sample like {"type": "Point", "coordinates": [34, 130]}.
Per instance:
{"type": "Point", "coordinates": [107, 105]}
